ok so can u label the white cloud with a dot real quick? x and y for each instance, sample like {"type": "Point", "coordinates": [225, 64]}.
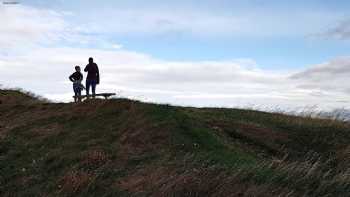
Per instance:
{"type": "Point", "coordinates": [329, 77]}
{"type": "Point", "coordinates": [45, 70]}
{"type": "Point", "coordinates": [117, 46]}
{"type": "Point", "coordinates": [201, 83]}
{"type": "Point", "coordinates": [29, 25]}
{"type": "Point", "coordinates": [255, 21]}
{"type": "Point", "coordinates": [21, 25]}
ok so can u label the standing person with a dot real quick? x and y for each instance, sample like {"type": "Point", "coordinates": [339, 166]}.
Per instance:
{"type": "Point", "coordinates": [93, 77]}
{"type": "Point", "coordinates": [76, 78]}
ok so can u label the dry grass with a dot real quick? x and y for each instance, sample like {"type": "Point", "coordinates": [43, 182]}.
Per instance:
{"type": "Point", "coordinates": [95, 158]}
{"type": "Point", "coordinates": [75, 181]}
{"type": "Point", "coordinates": [310, 177]}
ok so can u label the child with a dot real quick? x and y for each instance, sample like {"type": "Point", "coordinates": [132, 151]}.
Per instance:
{"type": "Point", "coordinates": [76, 78]}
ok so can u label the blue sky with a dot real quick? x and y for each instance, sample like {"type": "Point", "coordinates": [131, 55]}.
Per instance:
{"type": "Point", "coordinates": [269, 46]}
{"type": "Point", "coordinates": [251, 43]}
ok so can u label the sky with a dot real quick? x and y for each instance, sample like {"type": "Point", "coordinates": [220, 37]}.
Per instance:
{"type": "Point", "coordinates": [214, 53]}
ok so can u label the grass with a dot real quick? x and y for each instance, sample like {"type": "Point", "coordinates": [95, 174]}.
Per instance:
{"type": "Point", "coordinates": [127, 148]}
{"type": "Point", "coordinates": [189, 135]}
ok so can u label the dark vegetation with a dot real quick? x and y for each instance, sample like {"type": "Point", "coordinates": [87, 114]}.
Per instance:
{"type": "Point", "coordinates": [121, 147]}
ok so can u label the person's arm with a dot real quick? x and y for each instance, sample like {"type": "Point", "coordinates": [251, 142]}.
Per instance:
{"type": "Point", "coordinates": [80, 76]}
{"type": "Point", "coordinates": [86, 68]}
{"type": "Point", "coordinates": [71, 78]}
{"type": "Point", "coordinates": [97, 75]}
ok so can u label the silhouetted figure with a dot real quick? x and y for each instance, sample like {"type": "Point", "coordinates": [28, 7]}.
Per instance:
{"type": "Point", "coordinates": [93, 77]}
{"type": "Point", "coordinates": [76, 78]}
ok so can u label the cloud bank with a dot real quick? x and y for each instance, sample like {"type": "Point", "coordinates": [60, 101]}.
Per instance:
{"type": "Point", "coordinates": [200, 83]}
{"type": "Point", "coordinates": [34, 60]}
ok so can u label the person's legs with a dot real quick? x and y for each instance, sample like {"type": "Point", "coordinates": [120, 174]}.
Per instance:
{"type": "Point", "coordinates": [93, 87]}
{"type": "Point", "coordinates": [79, 94]}
{"type": "Point", "coordinates": [75, 93]}
{"type": "Point", "coordinates": [87, 87]}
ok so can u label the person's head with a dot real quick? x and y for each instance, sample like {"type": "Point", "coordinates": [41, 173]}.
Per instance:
{"type": "Point", "coordinates": [91, 60]}
{"type": "Point", "coordinates": [77, 68]}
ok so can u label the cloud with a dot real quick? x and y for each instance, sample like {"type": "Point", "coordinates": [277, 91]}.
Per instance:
{"type": "Point", "coordinates": [150, 21]}
{"type": "Point", "coordinates": [21, 25]}
{"type": "Point", "coordinates": [117, 46]}
{"type": "Point", "coordinates": [328, 80]}
{"type": "Point", "coordinates": [25, 27]}
{"type": "Point", "coordinates": [330, 76]}
{"type": "Point", "coordinates": [337, 68]}
{"type": "Point", "coordinates": [45, 67]}
{"type": "Point", "coordinates": [340, 31]}
{"type": "Point", "coordinates": [198, 83]}
{"type": "Point", "coordinates": [254, 21]}
{"type": "Point", "coordinates": [30, 25]}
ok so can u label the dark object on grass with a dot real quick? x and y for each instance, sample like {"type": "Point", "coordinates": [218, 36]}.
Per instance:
{"type": "Point", "coordinates": [105, 95]}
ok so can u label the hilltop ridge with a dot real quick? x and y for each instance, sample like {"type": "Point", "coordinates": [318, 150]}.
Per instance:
{"type": "Point", "coordinates": [121, 147]}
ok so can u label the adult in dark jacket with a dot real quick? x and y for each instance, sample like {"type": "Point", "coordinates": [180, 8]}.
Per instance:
{"type": "Point", "coordinates": [93, 76]}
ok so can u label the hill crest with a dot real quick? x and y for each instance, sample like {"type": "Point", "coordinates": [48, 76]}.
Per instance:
{"type": "Point", "coordinates": [121, 147]}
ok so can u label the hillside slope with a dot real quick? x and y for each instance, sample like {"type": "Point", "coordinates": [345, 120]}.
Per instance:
{"type": "Point", "coordinates": [125, 148]}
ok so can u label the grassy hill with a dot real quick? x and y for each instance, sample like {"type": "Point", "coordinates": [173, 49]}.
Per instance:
{"type": "Point", "coordinates": [121, 147]}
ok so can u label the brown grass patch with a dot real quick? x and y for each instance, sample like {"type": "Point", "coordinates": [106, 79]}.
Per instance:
{"type": "Point", "coordinates": [196, 182]}
{"type": "Point", "coordinates": [262, 134]}
{"type": "Point", "coordinates": [252, 138]}
{"type": "Point", "coordinates": [47, 130]}
{"type": "Point", "coordinates": [76, 181]}
{"type": "Point", "coordinates": [95, 158]}
{"type": "Point", "coordinates": [142, 137]}
{"type": "Point", "coordinates": [343, 158]}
